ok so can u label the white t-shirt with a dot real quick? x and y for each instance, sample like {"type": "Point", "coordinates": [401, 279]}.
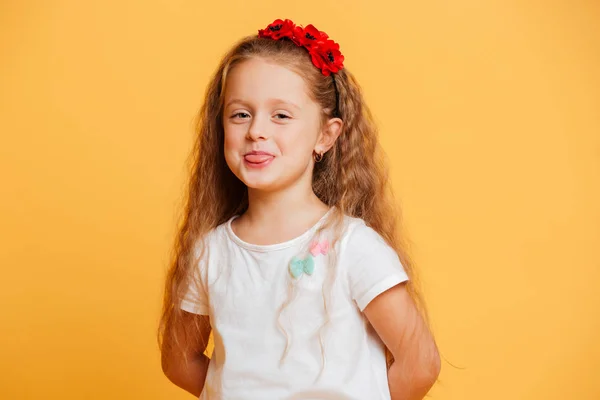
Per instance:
{"type": "Point", "coordinates": [242, 287]}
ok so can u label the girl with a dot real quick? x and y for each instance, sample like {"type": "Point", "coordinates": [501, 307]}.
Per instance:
{"type": "Point", "coordinates": [288, 252]}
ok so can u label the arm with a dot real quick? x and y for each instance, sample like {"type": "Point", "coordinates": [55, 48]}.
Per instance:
{"type": "Point", "coordinates": [400, 326]}
{"type": "Point", "coordinates": [190, 375]}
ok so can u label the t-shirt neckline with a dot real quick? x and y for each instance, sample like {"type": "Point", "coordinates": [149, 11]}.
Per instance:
{"type": "Point", "coordinates": [275, 246]}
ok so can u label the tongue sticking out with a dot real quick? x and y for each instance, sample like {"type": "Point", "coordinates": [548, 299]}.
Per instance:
{"type": "Point", "coordinates": [257, 158]}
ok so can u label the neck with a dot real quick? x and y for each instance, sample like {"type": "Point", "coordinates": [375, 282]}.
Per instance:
{"type": "Point", "coordinates": [290, 206]}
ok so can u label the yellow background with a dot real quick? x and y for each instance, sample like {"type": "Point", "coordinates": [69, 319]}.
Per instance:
{"type": "Point", "coordinates": [489, 111]}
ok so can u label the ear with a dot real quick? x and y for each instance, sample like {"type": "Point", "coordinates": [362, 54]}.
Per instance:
{"type": "Point", "coordinates": [329, 134]}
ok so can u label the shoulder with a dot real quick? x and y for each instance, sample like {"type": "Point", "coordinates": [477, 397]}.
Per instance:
{"type": "Point", "coordinates": [369, 263]}
{"type": "Point", "coordinates": [211, 241]}
{"type": "Point", "coordinates": [360, 240]}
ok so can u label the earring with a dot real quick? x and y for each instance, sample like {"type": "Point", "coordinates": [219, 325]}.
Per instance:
{"type": "Point", "coordinates": [317, 156]}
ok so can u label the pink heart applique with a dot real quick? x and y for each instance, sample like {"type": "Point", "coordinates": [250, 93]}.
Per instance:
{"type": "Point", "coordinates": [319, 247]}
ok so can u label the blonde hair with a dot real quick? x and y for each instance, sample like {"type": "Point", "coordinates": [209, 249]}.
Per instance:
{"type": "Point", "coordinates": [352, 177]}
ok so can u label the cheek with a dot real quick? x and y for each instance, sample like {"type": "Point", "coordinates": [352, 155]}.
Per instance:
{"type": "Point", "coordinates": [298, 143]}
{"type": "Point", "coordinates": [232, 145]}
{"type": "Point", "coordinates": [231, 140]}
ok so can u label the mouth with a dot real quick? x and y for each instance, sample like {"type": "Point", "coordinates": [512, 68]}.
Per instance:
{"type": "Point", "coordinates": [258, 160]}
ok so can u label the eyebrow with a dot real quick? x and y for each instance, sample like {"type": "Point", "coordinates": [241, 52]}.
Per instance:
{"type": "Point", "coordinates": [272, 101]}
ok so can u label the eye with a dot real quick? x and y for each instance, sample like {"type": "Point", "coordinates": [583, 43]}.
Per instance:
{"type": "Point", "coordinates": [283, 115]}
{"type": "Point", "coordinates": [240, 113]}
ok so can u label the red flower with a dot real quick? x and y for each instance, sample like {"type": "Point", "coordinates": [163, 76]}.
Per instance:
{"type": "Point", "coordinates": [327, 57]}
{"type": "Point", "coordinates": [309, 36]}
{"type": "Point", "coordinates": [324, 52]}
{"type": "Point", "coordinates": [278, 29]}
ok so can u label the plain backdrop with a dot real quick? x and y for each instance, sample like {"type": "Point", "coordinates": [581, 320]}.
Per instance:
{"type": "Point", "coordinates": [489, 112]}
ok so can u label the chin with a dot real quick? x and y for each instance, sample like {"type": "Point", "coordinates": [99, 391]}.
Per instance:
{"type": "Point", "coordinates": [266, 185]}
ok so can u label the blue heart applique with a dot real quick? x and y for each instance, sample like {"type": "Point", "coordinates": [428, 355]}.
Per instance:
{"type": "Point", "coordinates": [300, 266]}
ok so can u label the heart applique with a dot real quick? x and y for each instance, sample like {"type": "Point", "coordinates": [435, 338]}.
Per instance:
{"type": "Point", "coordinates": [300, 266]}
{"type": "Point", "coordinates": [321, 247]}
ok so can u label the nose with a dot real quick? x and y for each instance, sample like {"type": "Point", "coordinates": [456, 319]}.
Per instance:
{"type": "Point", "coordinates": [257, 129]}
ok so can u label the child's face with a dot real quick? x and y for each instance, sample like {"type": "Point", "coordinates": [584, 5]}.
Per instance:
{"type": "Point", "coordinates": [268, 109]}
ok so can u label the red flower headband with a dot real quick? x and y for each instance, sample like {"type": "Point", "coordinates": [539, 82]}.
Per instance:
{"type": "Point", "coordinates": [324, 52]}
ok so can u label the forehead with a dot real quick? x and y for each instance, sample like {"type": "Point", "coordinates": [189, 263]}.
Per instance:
{"type": "Point", "coordinates": [258, 80]}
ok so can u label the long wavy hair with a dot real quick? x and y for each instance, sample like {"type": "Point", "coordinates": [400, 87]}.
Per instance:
{"type": "Point", "coordinates": [352, 177]}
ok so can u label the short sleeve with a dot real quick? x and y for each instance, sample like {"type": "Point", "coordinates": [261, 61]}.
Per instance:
{"type": "Point", "coordinates": [195, 299]}
{"type": "Point", "coordinates": [372, 266]}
